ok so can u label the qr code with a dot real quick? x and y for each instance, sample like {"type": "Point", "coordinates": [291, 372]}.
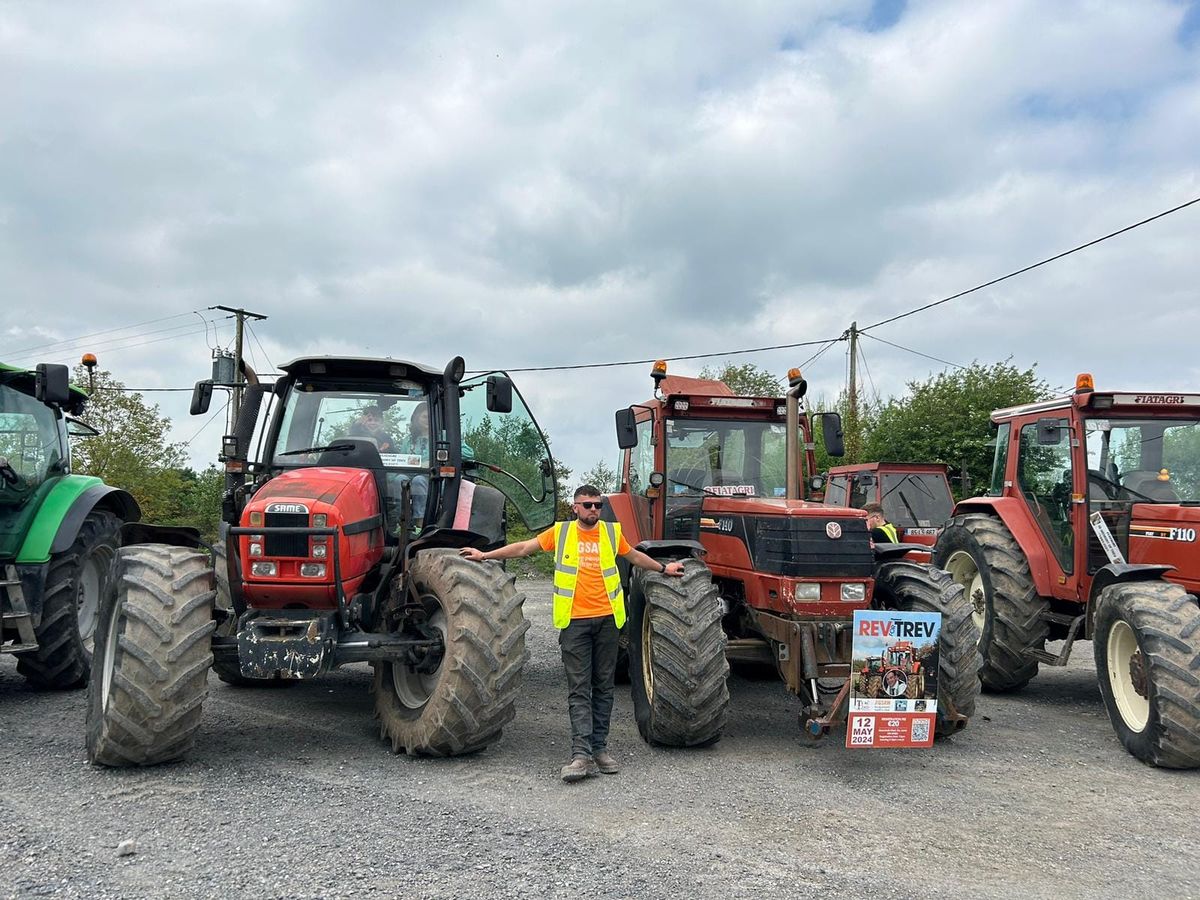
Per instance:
{"type": "Point", "coordinates": [920, 730]}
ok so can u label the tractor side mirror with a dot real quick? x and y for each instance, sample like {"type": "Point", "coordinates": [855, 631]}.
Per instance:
{"type": "Point", "coordinates": [626, 429]}
{"type": "Point", "coordinates": [1048, 432]}
{"type": "Point", "coordinates": [499, 394]}
{"type": "Point", "coordinates": [831, 434]}
{"type": "Point", "coordinates": [866, 479]}
{"type": "Point", "coordinates": [201, 397]}
{"type": "Point", "coordinates": [52, 384]}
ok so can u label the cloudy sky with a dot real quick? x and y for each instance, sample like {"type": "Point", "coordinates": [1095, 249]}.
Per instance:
{"type": "Point", "coordinates": [537, 184]}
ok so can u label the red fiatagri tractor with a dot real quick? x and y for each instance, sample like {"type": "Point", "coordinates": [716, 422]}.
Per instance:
{"type": "Point", "coordinates": [1090, 530]}
{"type": "Point", "coordinates": [713, 476]}
{"type": "Point", "coordinates": [338, 545]}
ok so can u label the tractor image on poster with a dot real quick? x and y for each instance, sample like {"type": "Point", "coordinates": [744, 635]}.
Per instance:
{"type": "Point", "coordinates": [770, 578]}
{"type": "Point", "coordinates": [1090, 531]}
{"type": "Point", "coordinates": [59, 531]}
{"type": "Point", "coordinates": [899, 665]}
{"type": "Point", "coordinates": [338, 544]}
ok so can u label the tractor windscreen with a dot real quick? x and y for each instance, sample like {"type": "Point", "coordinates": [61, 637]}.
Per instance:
{"type": "Point", "coordinates": [507, 451]}
{"type": "Point", "coordinates": [1143, 460]}
{"type": "Point", "coordinates": [397, 423]}
{"type": "Point", "coordinates": [915, 499]}
{"type": "Point", "coordinates": [32, 446]}
{"type": "Point", "coordinates": [725, 457]}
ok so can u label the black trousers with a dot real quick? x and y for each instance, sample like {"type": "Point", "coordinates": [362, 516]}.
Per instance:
{"type": "Point", "coordinates": [589, 654]}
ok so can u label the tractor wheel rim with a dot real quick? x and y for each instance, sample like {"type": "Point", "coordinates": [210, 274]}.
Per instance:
{"type": "Point", "coordinates": [110, 657]}
{"type": "Point", "coordinates": [1128, 677]}
{"type": "Point", "coordinates": [962, 568]}
{"type": "Point", "coordinates": [647, 657]}
{"type": "Point", "coordinates": [413, 689]}
{"type": "Point", "coordinates": [87, 600]}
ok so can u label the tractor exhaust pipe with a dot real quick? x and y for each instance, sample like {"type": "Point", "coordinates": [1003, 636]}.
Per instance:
{"type": "Point", "coordinates": [797, 388]}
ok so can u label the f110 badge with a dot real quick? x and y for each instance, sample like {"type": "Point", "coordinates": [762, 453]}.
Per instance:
{"type": "Point", "coordinates": [833, 530]}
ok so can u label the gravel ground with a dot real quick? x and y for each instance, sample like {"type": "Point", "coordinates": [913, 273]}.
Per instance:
{"type": "Point", "coordinates": [290, 793]}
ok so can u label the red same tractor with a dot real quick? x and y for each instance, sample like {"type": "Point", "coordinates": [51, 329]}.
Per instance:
{"type": "Point", "coordinates": [1090, 530]}
{"type": "Point", "coordinates": [338, 546]}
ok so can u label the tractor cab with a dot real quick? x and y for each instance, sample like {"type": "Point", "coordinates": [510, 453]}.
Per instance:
{"type": "Point", "coordinates": [916, 497]}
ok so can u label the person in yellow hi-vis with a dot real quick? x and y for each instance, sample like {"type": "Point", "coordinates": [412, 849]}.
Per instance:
{"type": "Point", "coordinates": [589, 610]}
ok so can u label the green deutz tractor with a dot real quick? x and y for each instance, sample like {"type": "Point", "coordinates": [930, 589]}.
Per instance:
{"type": "Point", "coordinates": [59, 532]}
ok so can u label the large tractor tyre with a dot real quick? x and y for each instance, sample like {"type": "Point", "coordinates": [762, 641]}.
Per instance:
{"type": "Point", "coordinates": [230, 670]}
{"type": "Point", "coordinates": [463, 704]}
{"type": "Point", "coordinates": [75, 583]}
{"type": "Point", "coordinates": [873, 685]}
{"type": "Point", "coordinates": [677, 666]}
{"type": "Point", "coordinates": [912, 587]}
{"type": "Point", "coordinates": [153, 653]}
{"type": "Point", "coordinates": [1147, 646]}
{"type": "Point", "coordinates": [981, 554]}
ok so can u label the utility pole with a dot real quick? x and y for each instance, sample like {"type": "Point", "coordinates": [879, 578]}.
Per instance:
{"type": "Point", "coordinates": [241, 315]}
{"type": "Point", "coordinates": [852, 396]}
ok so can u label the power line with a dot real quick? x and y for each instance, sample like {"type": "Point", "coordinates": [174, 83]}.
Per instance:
{"type": "Point", "coordinates": [642, 362]}
{"type": "Point", "coordinates": [71, 341]}
{"type": "Point", "coordinates": [254, 335]}
{"type": "Point", "coordinates": [1035, 265]}
{"type": "Point", "coordinates": [207, 422]}
{"type": "Point", "coordinates": [114, 345]}
{"type": "Point", "coordinates": [911, 350]}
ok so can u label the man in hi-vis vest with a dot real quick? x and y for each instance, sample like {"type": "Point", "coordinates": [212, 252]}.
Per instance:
{"type": "Point", "coordinates": [589, 610]}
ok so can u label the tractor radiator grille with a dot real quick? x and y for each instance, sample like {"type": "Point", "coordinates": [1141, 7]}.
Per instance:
{"type": "Point", "coordinates": [801, 548]}
{"type": "Point", "coordinates": [286, 544]}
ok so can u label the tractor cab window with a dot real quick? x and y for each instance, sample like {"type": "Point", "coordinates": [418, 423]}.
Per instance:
{"type": "Point", "coordinates": [836, 491]}
{"type": "Point", "coordinates": [32, 444]}
{"type": "Point", "coordinates": [641, 458]}
{"type": "Point", "coordinates": [862, 492]}
{"type": "Point", "coordinates": [726, 458]}
{"type": "Point", "coordinates": [508, 452]}
{"type": "Point", "coordinates": [915, 499]}
{"type": "Point", "coordinates": [1045, 480]}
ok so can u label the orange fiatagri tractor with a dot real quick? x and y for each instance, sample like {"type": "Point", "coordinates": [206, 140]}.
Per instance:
{"type": "Point", "coordinates": [1090, 530]}
{"type": "Point", "coordinates": [901, 657]}
{"type": "Point", "coordinates": [710, 475]}
{"type": "Point", "coordinates": [336, 547]}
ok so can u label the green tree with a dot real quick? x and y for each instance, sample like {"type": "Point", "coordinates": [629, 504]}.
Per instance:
{"type": "Point", "coordinates": [947, 418]}
{"type": "Point", "coordinates": [602, 476]}
{"type": "Point", "coordinates": [746, 380]}
{"type": "Point", "coordinates": [132, 450]}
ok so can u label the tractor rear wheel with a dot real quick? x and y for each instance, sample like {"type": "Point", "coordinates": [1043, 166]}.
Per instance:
{"type": "Point", "coordinates": [981, 554]}
{"type": "Point", "coordinates": [463, 704]}
{"type": "Point", "coordinates": [75, 582]}
{"type": "Point", "coordinates": [1147, 646]}
{"type": "Point", "coordinates": [912, 587]}
{"type": "Point", "coordinates": [153, 653]}
{"type": "Point", "coordinates": [677, 664]}
{"type": "Point", "coordinates": [230, 670]}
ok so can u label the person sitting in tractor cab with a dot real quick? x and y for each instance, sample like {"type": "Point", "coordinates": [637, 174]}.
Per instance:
{"type": "Point", "coordinates": [882, 531]}
{"type": "Point", "coordinates": [370, 425]}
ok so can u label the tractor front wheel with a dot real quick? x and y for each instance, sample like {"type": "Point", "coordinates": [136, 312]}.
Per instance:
{"type": "Point", "coordinates": [1147, 647]}
{"type": "Point", "coordinates": [677, 664]}
{"type": "Point", "coordinates": [153, 652]}
{"type": "Point", "coordinates": [981, 554]}
{"type": "Point", "coordinates": [912, 587]}
{"type": "Point", "coordinates": [462, 703]}
{"type": "Point", "coordinates": [75, 582]}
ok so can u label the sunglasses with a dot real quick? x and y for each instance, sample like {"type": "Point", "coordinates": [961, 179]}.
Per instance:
{"type": "Point", "coordinates": [591, 505]}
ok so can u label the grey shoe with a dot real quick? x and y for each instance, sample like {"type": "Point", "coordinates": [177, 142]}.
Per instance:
{"type": "Point", "coordinates": [605, 763]}
{"type": "Point", "coordinates": [577, 769]}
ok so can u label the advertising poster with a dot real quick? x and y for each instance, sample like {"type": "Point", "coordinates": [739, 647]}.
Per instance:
{"type": "Point", "coordinates": [893, 679]}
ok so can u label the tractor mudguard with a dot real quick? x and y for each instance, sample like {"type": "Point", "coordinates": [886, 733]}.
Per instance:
{"type": "Point", "coordinates": [1114, 573]}
{"type": "Point", "coordinates": [119, 501]}
{"type": "Point", "coordinates": [172, 535]}
{"type": "Point", "coordinates": [672, 548]}
{"type": "Point", "coordinates": [1016, 518]}
{"type": "Point", "coordinates": [888, 552]}
{"type": "Point", "coordinates": [454, 538]}
{"type": "Point", "coordinates": [68, 503]}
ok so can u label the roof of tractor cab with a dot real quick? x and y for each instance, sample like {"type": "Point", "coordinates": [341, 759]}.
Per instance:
{"type": "Point", "coordinates": [889, 466]}
{"type": "Point", "coordinates": [1131, 403]}
{"type": "Point", "coordinates": [18, 375]}
{"type": "Point", "coordinates": [357, 367]}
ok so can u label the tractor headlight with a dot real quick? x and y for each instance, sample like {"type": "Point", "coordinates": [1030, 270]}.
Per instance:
{"type": "Point", "coordinates": [807, 592]}
{"type": "Point", "coordinates": [320, 520]}
{"type": "Point", "coordinates": [320, 551]}
{"type": "Point", "coordinates": [312, 570]}
{"type": "Point", "coordinates": [256, 549]}
{"type": "Point", "coordinates": [854, 591]}
{"type": "Point", "coordinates": [263, 568]}
{"type": "Point", "coordinates": [256, 517]}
